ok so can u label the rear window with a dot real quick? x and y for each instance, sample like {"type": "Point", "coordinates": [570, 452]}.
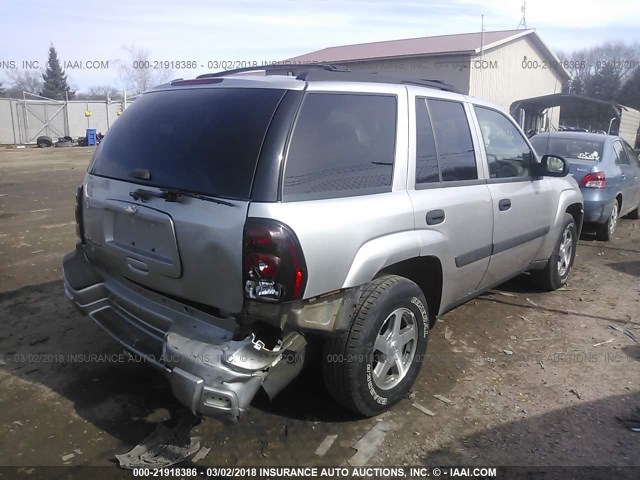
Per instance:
{"type": "Point", "coordinates": [200, 140]}
{"type": "Point", "coordinates": [427, 170]}
{"type": "Point", "coordinates": [577, 148]}
{"type": "Point", "coordinates": [453, 137]}
{"type": "Point", "coordinates": [342, 145]}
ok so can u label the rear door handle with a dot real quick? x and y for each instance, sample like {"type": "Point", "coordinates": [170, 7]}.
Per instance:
{"type": "Point", "coordinates": [434, 217]}
{"type": "Point", "coordinates": [504, 204]}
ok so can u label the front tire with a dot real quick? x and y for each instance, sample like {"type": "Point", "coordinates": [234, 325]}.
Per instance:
{"type": "Point", "coordinates": [555, 273]}
{"type": "Point", "coordinates": [373, 365]}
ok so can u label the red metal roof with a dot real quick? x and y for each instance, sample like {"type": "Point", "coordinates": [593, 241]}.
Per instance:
{"type": "Point", "coordinates": [442, 44]}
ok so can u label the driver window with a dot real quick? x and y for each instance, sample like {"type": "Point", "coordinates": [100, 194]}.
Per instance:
{"type": "Point", "coordinates": [508, 154]}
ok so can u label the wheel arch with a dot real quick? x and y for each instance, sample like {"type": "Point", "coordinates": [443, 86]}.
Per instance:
{"type": "Point", "coordinates": [569, 201]}
{"type": "Point", "coordinates": [577, 212]}
{"type": "Point", "coordinates": [426, 272]}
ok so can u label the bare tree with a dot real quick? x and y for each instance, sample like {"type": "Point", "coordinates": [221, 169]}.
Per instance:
{"type": "Point", "coordinates": [621, 58]}
{"type": "Point", "coordinates": [24, 80]}
{"type": "Point", "coordinates": [138, 72]}
{"type": "Point", "coordinates": [630, 92]}
{"type": "Point", "coordinates": [616, 58]}
{"type": "Point", "coordinates": [599, 72]}
{"type": "Point", "coordinates": [580, 64]}
{"type": "Point", "coordinates": [100, 92]}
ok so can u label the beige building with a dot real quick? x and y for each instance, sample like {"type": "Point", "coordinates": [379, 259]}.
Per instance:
{"type": "Point", "coordinates": [502, 66]}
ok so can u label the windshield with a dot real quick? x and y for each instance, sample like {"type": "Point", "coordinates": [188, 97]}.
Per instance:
{"type": "Point", "coordinates": [577, 148]}
{"type": "Point", "coordinates": [200, 140]}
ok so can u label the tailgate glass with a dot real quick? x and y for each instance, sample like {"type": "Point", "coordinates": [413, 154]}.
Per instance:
{"type": "Point", "coordinates": [202, 140]}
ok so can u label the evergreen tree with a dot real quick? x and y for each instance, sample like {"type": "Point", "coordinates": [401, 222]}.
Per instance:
{"type": "Point", "coordinates": [55, 80]}
{"type": "Point", "coordinates": [604, 85]}
{"type": "Point", "coordinates": [576, 86]}
{"type": "Point", "coordinates": [630, 91]}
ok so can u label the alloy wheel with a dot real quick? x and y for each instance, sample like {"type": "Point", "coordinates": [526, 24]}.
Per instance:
{"type": "Point", "coordinates": [394, 348]}
{"type": "Point", "coordinates": [565, 252]}
{"type": "Point", "coordinates": [613, 221]}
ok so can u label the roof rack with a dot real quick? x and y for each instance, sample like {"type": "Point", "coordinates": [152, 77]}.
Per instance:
{"type": "Point", "coordinates": [439, 84]}
{"type": "Point", "coordinates": [327, 72]}
{"type": "Point", "coordinates": [290, 68]}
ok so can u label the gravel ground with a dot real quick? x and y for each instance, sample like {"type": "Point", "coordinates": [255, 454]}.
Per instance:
{"type": "Point", "coordinates": [534, 379]}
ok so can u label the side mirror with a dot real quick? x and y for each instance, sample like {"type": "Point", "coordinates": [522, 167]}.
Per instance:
{"type": "Point", "coordinates": [554, 166]}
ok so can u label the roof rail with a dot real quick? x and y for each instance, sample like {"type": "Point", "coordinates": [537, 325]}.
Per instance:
{"type": "Point", "coordinates": [439, 84]}
{"type": "Point", "coordinates": [294, 69]}
{"type": "Point", "coordinates": [327, 72]}
{"type": "Point", "coordinates": [356, 76]}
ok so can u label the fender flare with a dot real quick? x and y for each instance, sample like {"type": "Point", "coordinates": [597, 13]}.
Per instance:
{"type": "Point", "coordinates": [566, 199]}
{"type": "Point", "coordinates": [379, 253]}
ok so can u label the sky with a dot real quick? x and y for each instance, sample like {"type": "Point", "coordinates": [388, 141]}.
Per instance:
{"type": "Point", "coordinates": [268, 30]}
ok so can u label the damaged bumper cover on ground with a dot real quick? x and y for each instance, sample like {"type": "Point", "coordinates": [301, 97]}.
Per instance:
{"type": "Point", "coordinates": [210, 373]}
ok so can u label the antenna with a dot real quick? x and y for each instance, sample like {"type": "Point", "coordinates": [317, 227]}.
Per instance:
{"type": "Point", "coordinates": [523, 20]}
{"type": "Point", "coordinates": [481, 35]}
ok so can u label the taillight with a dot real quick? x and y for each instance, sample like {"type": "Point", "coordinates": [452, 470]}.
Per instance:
{"type": "Point", "coordinates": [78, 212]}
{"type": "Point", "coordinates": [594, 180]}
{"type": "Point", "coordinates": [273, 264]}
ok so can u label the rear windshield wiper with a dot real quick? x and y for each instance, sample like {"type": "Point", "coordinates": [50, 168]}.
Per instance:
{"type": "Point", "coordinates": [174, 195]}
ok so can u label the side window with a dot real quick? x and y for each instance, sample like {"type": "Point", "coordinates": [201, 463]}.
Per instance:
{"type": "Point", "coordinates": [631, 155]}
{"type": "Point", "coordinates": [342, 145]}
{"type": "Point", "coordinates": [426, 158]}
{"type": "Point", "coordinates": [621, 156]}
{"type": "Point", "coordinates": [453, 139]}
{"type": "Point", "coordinates": [508, 154]}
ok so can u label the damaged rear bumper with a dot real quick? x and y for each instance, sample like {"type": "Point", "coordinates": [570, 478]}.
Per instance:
{"type": "Point", "coordinates": [210, 372]}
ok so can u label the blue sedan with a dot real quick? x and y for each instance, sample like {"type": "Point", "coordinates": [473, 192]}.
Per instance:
{"type": "Point", "coordinates": [607, 170]}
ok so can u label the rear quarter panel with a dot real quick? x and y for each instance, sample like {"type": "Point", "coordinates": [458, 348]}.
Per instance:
{"type": "Point", "coordinates": [597, 200]}
{"type": "Point", "coordinates": [357, 234]}
{"type": "Point", "coordinates": [370, 231]}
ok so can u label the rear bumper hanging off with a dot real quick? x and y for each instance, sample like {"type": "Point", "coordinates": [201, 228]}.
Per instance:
{"type": "Point", "coordinates": [210, 373]}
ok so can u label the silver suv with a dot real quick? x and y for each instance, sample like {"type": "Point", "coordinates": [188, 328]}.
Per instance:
{"type": "Point", "coordinates": [228, 223]}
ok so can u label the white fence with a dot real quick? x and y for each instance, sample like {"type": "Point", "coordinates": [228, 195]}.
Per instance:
{"type": "Point", "coordinates": [22, 121]}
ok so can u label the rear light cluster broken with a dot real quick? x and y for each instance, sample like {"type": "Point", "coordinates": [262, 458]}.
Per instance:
{"type": "Point", "coordinates": [273, 265]}
{"type": "Point", "coordinates": [78, 212]}
{"type": "Point", "coordinates": [594, 180]}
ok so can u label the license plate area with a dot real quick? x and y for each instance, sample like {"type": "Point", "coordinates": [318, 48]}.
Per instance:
{"type": "Point", "coordinates": [142, 238]}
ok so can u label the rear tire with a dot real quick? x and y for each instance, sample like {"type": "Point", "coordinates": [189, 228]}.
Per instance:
{"type": "Point", "coordinates": [370, 368]}
{"type": "Point", "coordinates": [605, 231]}
{"type": "Point", "coordinates": [555, 273]}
